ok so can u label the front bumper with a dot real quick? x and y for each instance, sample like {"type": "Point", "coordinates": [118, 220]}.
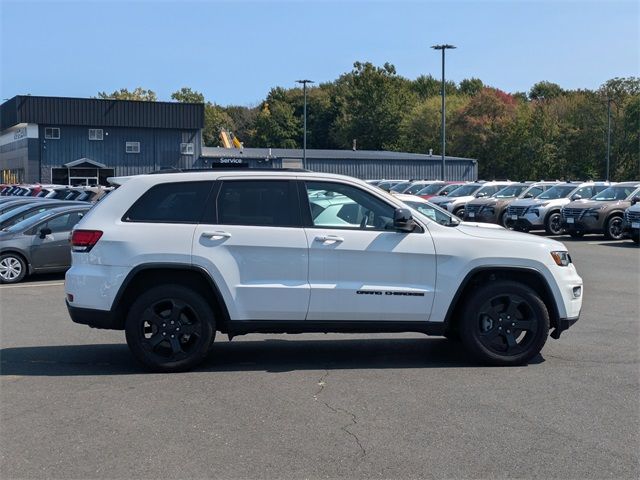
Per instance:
{"type": "Point", "coordinates": [583, 224]}
{"type": "Point", "coordinates": [483, 216]}
{"type": "Point", "coordinates": [562, 325]}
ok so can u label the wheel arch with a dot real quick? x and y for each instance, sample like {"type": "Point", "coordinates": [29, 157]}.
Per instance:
{"type": "Point", "coordinates": [480, 275]}
{"type": "Point", "coordinates": [551, 212]}
{"type": "Point", "coordinates": [150, 275]}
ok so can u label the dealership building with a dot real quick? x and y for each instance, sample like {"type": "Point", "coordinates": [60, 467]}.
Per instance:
{"type": "Point", "coordinates": [79, 141]}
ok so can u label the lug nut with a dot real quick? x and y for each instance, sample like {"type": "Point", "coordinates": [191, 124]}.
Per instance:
{"type": "Point", "coordinates": [177, 329]}
{"type": "Point", "coordinates": [171, 322]}
{"type": "Point", "coordinates": [164, 334]}
{"type": "Point", "coordinates": [513, 324]}
{"type": "Point", "coordinates": [172, 336]}
{"type": "Point", "coordinates": [508, 331]}
{"type": "Point", "coordinates": [164, 324]}
{"type": "Point", "coordinates": [499, 328]}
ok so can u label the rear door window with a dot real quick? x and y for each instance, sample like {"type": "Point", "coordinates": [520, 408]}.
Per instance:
{"type": "Point", "coordinates": [179, 202]}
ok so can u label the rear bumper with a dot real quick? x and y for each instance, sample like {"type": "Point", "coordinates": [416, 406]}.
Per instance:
{"type": "Point", "coordinates": [562, 325]}
{"type": "Point", "coordinates": [105, 319]}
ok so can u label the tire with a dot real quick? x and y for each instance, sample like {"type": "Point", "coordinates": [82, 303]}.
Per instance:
{"type": "Point", "coordinates": [613, 228]}
{"type": "Point", "coordinates": [636, 239]}
{"type": "Point", "coordinates": [504, 220]}
{"type": "Point", "coordinates": [13, 268]}
{"type": "Point", "coordinates": [576, 234]}
{"type": "Point", "coordinates": [459, 212]}
{"type": "Point", "coordinates": [489, 330]}
{"type": "Point", "coordinates": [163, 346]}
{"type": "Point", "coordinates": [553, 224]}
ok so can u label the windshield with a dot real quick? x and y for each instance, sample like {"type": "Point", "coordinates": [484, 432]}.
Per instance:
{"type": "Point", "coordinates": [434, 213]}
{"type": "Point", "coordinates": [27, 222]}
{"type": "Point", "coordinates": [559, 191]}
{"type": "Point", "coordinates": [614, 193]}
{"type": "Point", "coordinates": [510, 192]}
{"type": "Point", "coordinates": [465, 190]}
{"type": "Point", "coordinates": [400, 187]}
{"type": "Point", "coordinates": [430, 189]}
{"type": "Point", "coordinates": [415, 188]}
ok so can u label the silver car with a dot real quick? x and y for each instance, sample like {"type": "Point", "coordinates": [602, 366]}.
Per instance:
{"type": "Point", "coordinates": [38, 244]}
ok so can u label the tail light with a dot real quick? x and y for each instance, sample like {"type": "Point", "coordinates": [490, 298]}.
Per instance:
{"type": "Point", "coordinates": [84, 240]}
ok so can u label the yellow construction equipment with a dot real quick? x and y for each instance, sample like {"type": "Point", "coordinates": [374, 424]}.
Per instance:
{"type": "Point", "coordinates": [229, 140]}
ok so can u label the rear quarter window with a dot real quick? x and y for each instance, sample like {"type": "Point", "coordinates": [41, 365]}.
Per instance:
{"type": "Point", "coordinates": [179, 202]}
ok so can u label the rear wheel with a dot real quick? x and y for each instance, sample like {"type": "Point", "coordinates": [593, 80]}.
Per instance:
{"type": "Point", "coordinates": [553, 224]}
{"type": "Point", "coordinates": [170, 328]}
{"type": "Point", "coordinates": [613, 229]}
{"type": "Point", "coordinates": [504, 323]}
{"type": "Point", "coordinates": [13, 268]}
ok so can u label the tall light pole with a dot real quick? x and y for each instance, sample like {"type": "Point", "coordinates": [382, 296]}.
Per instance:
{"type": "Point", "coordinates": [443, 47]}
{"type": "Point", "coordinates": [304, 138]}
{"type": "Point", "coordinates": [608, 134]}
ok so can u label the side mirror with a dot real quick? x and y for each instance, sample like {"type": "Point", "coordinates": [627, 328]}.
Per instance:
{"type": "Point", "coordinates": [44, 232]}
{"type": "Point", "coordinates": [528, 195]}
{"type": "Point", "coordinates": [403, 220]}
{"type": "Point", "coordinates": [635, 200]}
{"type": "Point", "coordinates": [576, 197]}
{"type": "Point", "coordinates": [481, 195]}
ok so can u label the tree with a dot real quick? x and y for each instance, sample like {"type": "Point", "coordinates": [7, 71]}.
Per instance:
{"type": "Point", "coordinates": [470, 86]}
{"type": "Point", "coordinates": [186, 95]}
{"type": "Point", "coordinates": [545, 90]}
{"type": "Point", "coordinates": [276, 124]}
{"type": "Point", "coordinates": [124, 94]}
{"type": "Point", "coordinates": [426, 86]}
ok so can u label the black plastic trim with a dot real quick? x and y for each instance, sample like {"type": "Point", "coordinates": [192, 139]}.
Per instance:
{"type": "Point", "coordinates": [241, 327]}
{"type": "Point", "coordinates": [105, 319]}
{"type": "Point", "coordinates": [563, 324]}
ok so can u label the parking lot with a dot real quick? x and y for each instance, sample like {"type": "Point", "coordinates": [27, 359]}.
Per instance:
{"type": "Point", "coordinates": [75, 405]}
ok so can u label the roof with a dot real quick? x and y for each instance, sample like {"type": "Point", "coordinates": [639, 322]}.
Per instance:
{"type": "Point", "coordinates": [316, 154]}
{"type": "Point", "coordinates": [82, 161]}
{"type": "Point", "coordinates": [96, 112]}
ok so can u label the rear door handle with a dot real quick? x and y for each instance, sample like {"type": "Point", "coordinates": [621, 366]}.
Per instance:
{"type": "Point", "coordinates": [217, 235]}
{"type": "Point", "coordinates": [329, 239]}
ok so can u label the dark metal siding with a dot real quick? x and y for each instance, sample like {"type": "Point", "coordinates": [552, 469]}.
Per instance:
{"type": "Point", "coordinates": [100, 113]}
{"type": "Point", "coordinates": [158, 148]}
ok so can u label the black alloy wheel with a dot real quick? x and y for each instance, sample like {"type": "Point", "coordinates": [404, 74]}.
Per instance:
{"type": "Point", "coordinates": [170, 328]}
{"type": "Point", "coordinates": [505, 323]}
{"type": "Point", "coordinates": [553, 224]}
{"type": "Point", "coordinates": [504, 220]}
{"type": "Point", "coordinates": [614, 228]}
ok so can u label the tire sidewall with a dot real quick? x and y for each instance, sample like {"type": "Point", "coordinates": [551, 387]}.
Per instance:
{"type": "Point", "coordinates": [23, 266]}
{"type": "Point", "coordinates": [547, 224]}
{"type": "Point", "coordinates": [195, 301]}
{"type": "Point", "coordinates": [607, 229]}
{"type": "Point", "coordinates": [470, 332]}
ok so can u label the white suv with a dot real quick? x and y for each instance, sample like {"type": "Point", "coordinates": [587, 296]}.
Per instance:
{"type": "Point", "coordinates": [172, 258]}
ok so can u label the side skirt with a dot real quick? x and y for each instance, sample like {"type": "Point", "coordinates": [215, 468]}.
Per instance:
{"type": "Point", "coordinates": [242, 327]}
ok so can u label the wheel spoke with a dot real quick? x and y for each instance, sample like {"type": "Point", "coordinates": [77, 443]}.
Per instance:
{"type": "Point", "coordinates": [155, 340]}
{"type": "Point", "coordinates": [189, 329]}
{"type": "Point", "coordinates": [176, 311]}
{"type": "Point", "coordinates": [527, 325]}
{"type": "Point", "coordinates": [175, 345]}
{"type": "Point", "coordinates": [512, 309]}
{"type": "Point", "coordinates": [152, 317]}
{"type": "Point", "coordinates": [511, 340]}
{"type": "Point", "coordinates": [490, 334]}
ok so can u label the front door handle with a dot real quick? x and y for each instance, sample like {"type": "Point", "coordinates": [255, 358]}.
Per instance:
{"type": "Point", "coordinates": [217, 235]}
{"type": "Point", "coordinates": [329, 239]}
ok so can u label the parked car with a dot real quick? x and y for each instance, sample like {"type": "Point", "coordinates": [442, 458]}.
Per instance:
{"type": "Point", "coordinates": [38, 244]}
{"type": "Point", "coordinates": [387, 185]}
{"type": "Point", "coordinates": [603, 213]}
{"type": "Point", "coordinates": [458, 198]}
{"type": "Point", "coordinates": [438, 188]}
{"type": "Point", "coordinates": [414, 187]}
{"type": "Point", "coordinates": [30, 209]}
{"type": "Point", "coordinates": [632, 220]}
{"type": "Point", "coordinates": [494, 208]}
{"type": "Point", "coordinates": [159, 260]}
{"type": "Point", "coordinates": [543, 212]}
{"type": "Point", "coordinates": [11, 203]}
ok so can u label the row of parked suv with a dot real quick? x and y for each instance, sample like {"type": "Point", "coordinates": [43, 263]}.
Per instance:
{"type": "Point", "coordinates": [56, 192]}
{"type": "Point", "coordinates": [574, 208]}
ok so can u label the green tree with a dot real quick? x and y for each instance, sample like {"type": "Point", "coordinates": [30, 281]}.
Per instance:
{"type": "Point", "coordinates": [124, 94]}
{"type": "Point", "coordinates": [546, 90]}
{"type": "Point", "coordinates": [426, 86]}
{"type": "Point", "coordinates": [276, 123]}
{"type": "Point", "coordinates": [470, 86]}
{"type": "Point", "coordinates": [186, 95]}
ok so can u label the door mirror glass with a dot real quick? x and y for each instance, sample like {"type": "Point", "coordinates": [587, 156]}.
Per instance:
{"type": "Point", "coordinates": [635, 200]}
{"type": "Point", "coordinates": [44, 232]}
{"type": "Point", "coordinates": [403, 220]}
{"type": "Point", "coordinates": [576, 196]}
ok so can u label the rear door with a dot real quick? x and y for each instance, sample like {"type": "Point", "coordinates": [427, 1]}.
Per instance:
{"type": "Point", "coordinates": [253, 245]}
{"type": "Point", "coordinates": [54, 251]}
{"type": "Point", "coordinates": [359, 268]}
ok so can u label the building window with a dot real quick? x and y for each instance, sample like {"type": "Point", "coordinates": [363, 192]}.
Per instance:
{"type": "Point", "coordinates": [132, 147]}
{"type": "Point", "coordinates": [186, 149]}
{"type": "Point", "coordinates": [51, 133]}
{"type": "Point", "coordinates": [95, 134]}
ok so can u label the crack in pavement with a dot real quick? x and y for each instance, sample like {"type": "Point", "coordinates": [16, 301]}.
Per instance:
{"type": "Point", "coordinates": [338, 410]}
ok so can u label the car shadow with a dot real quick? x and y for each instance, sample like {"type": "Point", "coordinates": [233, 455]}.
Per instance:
{"type": "Point", "coordinates": [620, 244]}
{"type": "Point", "coordinates": [270, 355]}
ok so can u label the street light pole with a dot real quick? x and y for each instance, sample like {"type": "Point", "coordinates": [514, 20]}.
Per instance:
{"type": "Point", "coordinates": [304, 138]}
{"type": "Point", "coordinates": [443, 47]}
{"type": "Point", "coordinates": [608, 135]}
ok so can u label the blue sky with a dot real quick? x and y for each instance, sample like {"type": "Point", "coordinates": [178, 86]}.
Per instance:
{"type": "Point", "coordinates": [234, 52]}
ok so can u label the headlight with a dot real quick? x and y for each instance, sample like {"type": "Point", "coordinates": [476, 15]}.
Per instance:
{"type": "Point", "coordinates": [562, 259]}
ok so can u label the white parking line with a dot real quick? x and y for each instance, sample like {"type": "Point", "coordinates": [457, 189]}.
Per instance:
{"type": "Point", "coordinates": [3, 287]}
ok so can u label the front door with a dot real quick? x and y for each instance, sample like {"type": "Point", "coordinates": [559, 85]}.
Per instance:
{"type": "Point", "coordinates": [360, 269]}
{"type": "Point", "coordinates": [254, 247]}
{"type": "Point", "coordinates": [54, 251]}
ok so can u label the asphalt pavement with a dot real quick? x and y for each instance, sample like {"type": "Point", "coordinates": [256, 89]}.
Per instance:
{"type": "Point", "coordinates": [74, 404]}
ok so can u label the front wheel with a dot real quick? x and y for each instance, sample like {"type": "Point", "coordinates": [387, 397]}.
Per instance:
{"type": "Point", "coordinates": [459, 212]}
{"type": "Point", "coordinates": [553, 224]}
{"type": "Point", "coordinates": [504, 323]}
{"type": "Point", "coordinates": [170, 328]}
{"type": "Point", "coordinates": [504, 220]}
{"type": "Point", "coordinates": [613, 229]}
